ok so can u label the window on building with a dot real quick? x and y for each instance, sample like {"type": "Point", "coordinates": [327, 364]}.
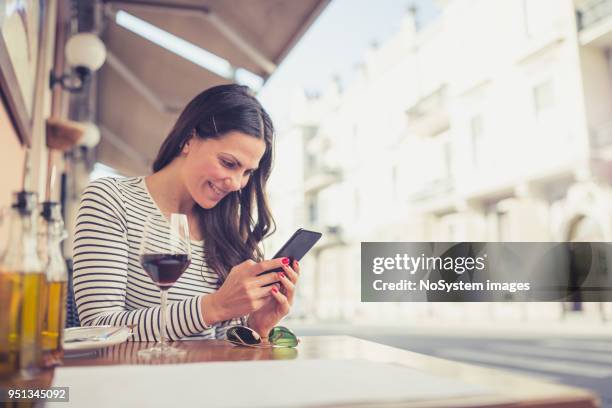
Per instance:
{"type": "Point", "coordinates": [477, 135]}
{"type": "Point", "coordinates": [539, 16]}
{"type": "Point", "coordinates": [394, 182]}
{"type": "Point", "coordinates": [311, 162]}
{"type": "Point", "coordinates": [447, 158]}
{"type": "Point", "coordinates": [436, 153]}
{"type": "Point", "coordinates": [544, 98]}
{"type": "Point", "coordinates": [309, 133]}
{"type": "Point", "coordinates": [313, 211]}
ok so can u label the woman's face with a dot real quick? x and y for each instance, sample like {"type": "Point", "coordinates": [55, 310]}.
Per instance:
{"type": "Point", "coordinates": [213, 168]}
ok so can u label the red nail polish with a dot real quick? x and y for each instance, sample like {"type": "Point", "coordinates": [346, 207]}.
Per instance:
{"type": "Point", "coordinates": [281, 274]}
{"type": "Point", "coordinates": [285, 261]}
{"type": "Point", "coordinates": [274, 289]}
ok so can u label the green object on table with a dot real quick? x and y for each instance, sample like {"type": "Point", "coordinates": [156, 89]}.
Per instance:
{"type": "Point", "coordinates": [282, 336]}
{"type": "Point", "coordinates": [279, 337]}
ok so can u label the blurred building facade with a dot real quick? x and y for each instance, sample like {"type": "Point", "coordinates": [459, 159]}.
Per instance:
{"type": "Point", "coordinates": [493, 123]}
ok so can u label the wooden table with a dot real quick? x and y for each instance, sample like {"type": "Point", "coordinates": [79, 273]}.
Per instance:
{"type": "Point", "coordinates": [510, 390]}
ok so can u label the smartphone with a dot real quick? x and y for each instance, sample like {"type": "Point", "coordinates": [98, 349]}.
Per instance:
{"type": "Point", "coordinates": [296, 247]}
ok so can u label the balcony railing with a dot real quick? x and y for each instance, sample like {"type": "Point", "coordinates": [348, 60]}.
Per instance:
{"type": "Point", "coordinates": [430, 115]}
{"type": "Point", "coordinates": [320, 177]}
{"type": "Point", "coordinates": [591, 12]}
{"type": "Point", "coordinates": [438, 188]}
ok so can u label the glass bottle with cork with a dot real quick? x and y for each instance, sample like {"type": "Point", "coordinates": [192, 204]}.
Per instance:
{"type": "Point", "coordinates": [56, 275]}
{"type": "Point", "coordinates": [22, 282]}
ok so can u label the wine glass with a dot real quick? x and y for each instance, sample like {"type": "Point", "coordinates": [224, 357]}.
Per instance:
{"type": "Point", "coordinates": [165, 253]}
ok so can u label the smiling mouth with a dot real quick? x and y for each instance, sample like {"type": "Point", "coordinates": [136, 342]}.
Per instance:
{"type": "Point", "coordinates": [217, 190]}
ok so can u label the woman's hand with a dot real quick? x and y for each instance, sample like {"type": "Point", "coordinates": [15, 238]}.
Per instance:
{"type": "Point", "coordinates": [242, 292]}
{"type": "Point", "coordinates": [278, 306]}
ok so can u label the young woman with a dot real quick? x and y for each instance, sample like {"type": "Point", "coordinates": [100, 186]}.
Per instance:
{"type": "Point", "coordinates": [213, 167]}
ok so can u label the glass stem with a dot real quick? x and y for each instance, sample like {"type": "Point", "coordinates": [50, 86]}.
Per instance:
{"type": "Point", "coordinates": [162, 333]}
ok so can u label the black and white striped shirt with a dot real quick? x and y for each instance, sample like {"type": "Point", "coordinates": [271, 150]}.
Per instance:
{"type": "Point", "coordinates": [110, 285]}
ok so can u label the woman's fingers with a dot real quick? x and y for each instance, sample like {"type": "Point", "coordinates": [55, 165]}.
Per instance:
{"type": "Point", "coordinates": [269, 265]}
{"type": "Point", "coordinates": [288, 285]}
{"type": "Point", "coordinates": [281, 299]}
{"type": "Point", "coordinates": [266, 292]}
{"type": "Point", "coordinates": [266, 279]}
{"type": "Point", "coordinates": [291, 273]}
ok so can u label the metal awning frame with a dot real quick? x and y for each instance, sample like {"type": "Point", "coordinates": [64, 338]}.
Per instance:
{"type": "Point", "coordinates": [186, 9]}
{"type": "Point", "coordinates": [142, 88]}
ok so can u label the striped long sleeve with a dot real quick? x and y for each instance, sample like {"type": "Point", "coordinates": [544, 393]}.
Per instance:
{"type": "Point", "coordinates": [110, 286]}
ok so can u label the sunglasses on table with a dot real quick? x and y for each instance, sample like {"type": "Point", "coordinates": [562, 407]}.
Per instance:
{"type": "Point", "coordinates": [279, 336]}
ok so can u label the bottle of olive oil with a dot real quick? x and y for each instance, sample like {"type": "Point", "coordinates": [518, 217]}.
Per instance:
{"type": "Point", "coordinates": [56, 275]}
{"type": "Point", "coordinates": [21, 283]}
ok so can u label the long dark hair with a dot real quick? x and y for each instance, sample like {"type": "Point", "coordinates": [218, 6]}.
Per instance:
{"type": "Point", "coordinates": [231, 233]}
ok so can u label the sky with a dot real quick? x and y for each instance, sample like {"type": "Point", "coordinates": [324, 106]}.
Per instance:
{"type": "Point", "coordinates": [334, 45]}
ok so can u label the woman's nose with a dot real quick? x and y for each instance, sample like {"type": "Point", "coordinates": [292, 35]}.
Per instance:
{"type": "Point", "coordinates": [233, 183]}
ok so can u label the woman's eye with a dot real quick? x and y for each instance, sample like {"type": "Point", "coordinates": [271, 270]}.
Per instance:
{"type": "Point", "coordinates": [227, 164]}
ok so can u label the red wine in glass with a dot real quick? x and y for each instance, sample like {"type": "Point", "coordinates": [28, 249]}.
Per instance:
{"type": "Point", "coordinates": [165, 253]}
{"type": "Point", "coordinates": [164, 269]}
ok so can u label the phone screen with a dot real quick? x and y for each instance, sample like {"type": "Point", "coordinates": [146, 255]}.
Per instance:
{"type": "Point", "coordinates": [296, 247]}
{"type": "Point", "coordinates": [299, 244]}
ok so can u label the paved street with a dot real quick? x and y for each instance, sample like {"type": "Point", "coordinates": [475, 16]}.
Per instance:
{"type": "Point", "coordinates": [581, 361]}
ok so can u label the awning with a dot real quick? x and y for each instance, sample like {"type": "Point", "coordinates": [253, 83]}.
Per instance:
{"type": "Point", "coordinates": [142, 85]}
